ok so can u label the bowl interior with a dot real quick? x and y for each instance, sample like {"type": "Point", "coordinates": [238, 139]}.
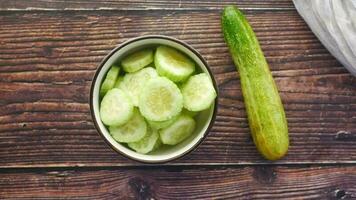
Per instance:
{"type": "Point", "coordinates": [203, 119]}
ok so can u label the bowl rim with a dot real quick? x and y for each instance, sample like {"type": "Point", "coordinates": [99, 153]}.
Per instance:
{"type": "Point", "coordinates": [111, 53]}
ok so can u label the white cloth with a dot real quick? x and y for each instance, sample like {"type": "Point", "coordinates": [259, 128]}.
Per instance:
{"type": "Point", "coordinates": [334, 23]}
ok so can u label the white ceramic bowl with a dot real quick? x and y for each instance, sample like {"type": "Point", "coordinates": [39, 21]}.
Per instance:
{"type": "Point", "coordinates": [204, 120]}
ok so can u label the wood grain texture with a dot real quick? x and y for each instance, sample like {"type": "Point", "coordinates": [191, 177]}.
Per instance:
{"type": "Point", "coordinates": [142, 4]}
{"type": "Point", "coordinates": [47, 61]}
{"type": "Point", "coordinates": [229, 183]}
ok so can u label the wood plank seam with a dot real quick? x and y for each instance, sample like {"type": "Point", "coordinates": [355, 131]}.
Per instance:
{"type": "Point", "coordinates": [35, 9]}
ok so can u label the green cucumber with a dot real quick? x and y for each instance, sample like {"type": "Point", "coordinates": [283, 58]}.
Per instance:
{"type": "Point", "coordinates": [173, 64]}
{"type": "Point", "coordinates": [110, 80]}
{"type": "Point", "coordinates": [147, 144]}
{"type": "Point", "coordinates": [181, 129]}
{"type": "Point", "coordinates": [132, 131]}
{"type": "Point", "coordinates": [137, 60]}
{"type": "Point", "coordinates": [115, 108]}
{"type": "Point", "coordinates": [264, 107]}
{"type": "Point", "coordinates": [160, 99]}
{"type": "Point", "coordinates": [134, 82]}
{"type": "Point", "coordinates": [198, 92]}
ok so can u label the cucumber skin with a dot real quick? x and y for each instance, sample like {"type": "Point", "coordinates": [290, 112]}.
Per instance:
{"type": "Point", "coordinates": [264, 107]}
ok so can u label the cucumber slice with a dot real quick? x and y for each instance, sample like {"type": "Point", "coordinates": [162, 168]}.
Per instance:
{"type": "Point", "coordinates": [158, 125]}
{"type": "Point", "coordinates": [198, 92]}
{"type": "Point", "coordinates": [134, 82]}
{"type": "Point", "coordinates": [147, 143]}
{"type": "Point", "coordinates": [189, 113]}
{"type": "Point", "coordinates": [137, 60]}
{"type": "Point", "coordinates": [160, 99]}
{"type": "Point", "coordinates": [118, 82]}
{"type": "Point", "coordinates": [173, 64]}
{"type": "Point", "coordinates": [134, 130]}
{"type": "Point", "coordinates": [182, 128]}
{"type": "Point", "coordinates": [110, 80]}
{"type": "Point", "coordinates": [115, 108]}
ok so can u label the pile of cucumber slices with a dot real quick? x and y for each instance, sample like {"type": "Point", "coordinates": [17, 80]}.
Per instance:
{"type": "Point", "coordinates": [155, 100]}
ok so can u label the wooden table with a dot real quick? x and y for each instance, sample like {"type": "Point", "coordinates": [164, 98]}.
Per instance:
{"type": "Point", "coordinates": [49, 148]}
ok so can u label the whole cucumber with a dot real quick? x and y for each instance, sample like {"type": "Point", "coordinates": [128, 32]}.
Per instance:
{"type": "Point", "coordinates": [264, 107]}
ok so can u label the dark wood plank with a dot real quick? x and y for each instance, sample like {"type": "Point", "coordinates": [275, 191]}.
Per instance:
{"type": "Point", "coordinates": [232, 183]}
{"type": "Point", "coordinates": [141, 4]}
{"type": "Point", "coordinates": [47, 60]}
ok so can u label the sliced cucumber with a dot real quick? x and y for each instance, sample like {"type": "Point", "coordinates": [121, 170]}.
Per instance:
{"type": "Point", "coordinates": [115, 108]}
{"type": "Point", "coordinates": [110, 80]}
{"type": "Point", "coordinates": [147, 143]}
{"type": "Point", "coordinates": [118, 82]}
{"type": "Point", "coordinates": [160, 99]}
{"type": "Point", "coordinates": [173, 64]}
{"type": "Point", "coordinates": [162, 124]}
{"type": "Point", "coordinates": [134, 82]}
{"type": "Point", "coordinates": [182, 128]}
{"type": "Point", "coordinates": [134, 130]}
{"type": "Point", "coordinates": [137, 60]}
{"type": "Point", "coordinates": [198, 92]}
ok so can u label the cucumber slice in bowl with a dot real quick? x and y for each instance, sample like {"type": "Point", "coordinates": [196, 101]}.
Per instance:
{"type": "Point", "coordinates": [173, 64]}
{"type": "Point", "coordinates": [160, 100]}
{"type": "Point", "coordinates": [134, 82]}
{"type": "Point", "coordinates": [115, 108]}
{"type": "Point", "coordinates": [134, 130]}
{"type": "Point", "coordinates": [110, 80]}
{"type": "Point", "coordinates": [147, 143]}
{"type": "Point", "coordinates": [181, 129]}
{"type": "Point", "coordinates": [198, 93]}
{"type": "Point", "coordinates": [137, 60]}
